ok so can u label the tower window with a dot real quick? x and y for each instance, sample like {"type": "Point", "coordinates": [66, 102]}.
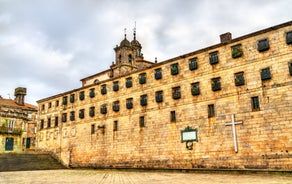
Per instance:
{"type": "Point", "coordinates": [103, 89]}
{"type": "Point", "coordinates": [216, 85]}
{"type": "Point", "coordinates": [266, 74]}
{"type": "Point", "coordinates": [158, 73]}
{"type": "Point", "coordinates": [143, 100]}
{"type": "Point", "coordinates": [239, 79]}
{"type": "Point", "coordinates": [129, 82]}
{"type": "Point", "coordinates": [236, 51]}
{"type": "Point", "coordinates": [263, 45]}
{"type": "Point", "coordinates": [174, 69]}
{"type": "Point", "coordinates": [142, 78]}
{"type": "Point", "coordinates": [176, 92]}
{"type": "Point", "coordinates": [120, 58]}
{"type": "Point", "coordinates": [130, 58]}
{"type": "Point", "coordinates": [193, 63]}
{"type": "Point", "coordinates": [211, 110]}
{"type": "Point", "coordinates": [255, 104]}
{"type": "Point", "coordinates": [129, 103]}
{"type": "Point", "coordinates": [213, 57]}
{"type": "Point", "coordinates": [195, 89]}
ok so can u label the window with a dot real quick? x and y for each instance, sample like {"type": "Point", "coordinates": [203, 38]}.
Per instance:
{"type": "Point", "coordinates": [72, 98]}
{"type": "Point", "coordinates": [142, 121]}
{"type": "Point", "coordinates": [57, 103]}
{"type": "Point", "coordinates": [176, 92]}
{"type": "Point", "coordinates": [172, 116]}
{"type": "Point", "coordinates": [92, 128]}
{"type": "Point", "coordinates": [130, 58]}
{"type": "Point", "coordinates": [50, 104]}
{"type": "Point", "coordinates": [91, 111]}
{"type": "Point", "coordinates": [115, 126]}
{"type": "Point", "coordinates": [174, 69]}
{"type": "Point", "coordinates": [128, 82]}
{"type": "Point", "coordinates": [211, 110]}
{"type": "Point", "coordinates": [103, 89]}
{"type": "Point", "coordinates": [142, 78]}
{"type": "Point", "coordinates": [49, 122]}
{"type": "Point", "coordinates": [255, 104]}
{"type": "Point", "coordinates": [103, 109]}
{"type": "Point", "coordinates": [43, 107]}
{"type": "Point", "coordinates": [42, 124]}
{"type": "Point", "coordinates": [56, 121]}
{"type": "Point", "coordinates": [116, 106]}
{"type": "Point", "coordinates": [213, 56]}
{"type": "Point", "coordinates": [266, 74]}
{"type": "Point", "coordinates": [116, 86]}
{"type": "Point", "coordinates": [158, 74]}
{"type": "Point", "coordinates": [159, 96]}
{"type": "Point", "coordinates": [239, 79]}
{"type": "Point", "coordinates": [120, 58]}
{"type": "Point", "coordinates": [193, 63]}
{"type": "Point", "coordinates": [129, 103]}
{"type": "Point", "coordinates": [236, 51]}
{"type": "Point", "coordinates": [81, 113]}
{"type": "Point", "coordinates": [72, 116]}
{"type": "Point", "coordinates": [216, 85]}
{"type": "Point", "coordinates": [64, 117]}
{"type": "Point", "coordinates": [65, 100]}
{"type": "Point", "coordinates": [195, 89]}
{"type": "Point", "coordinates": [289, 37]}
{"type": "Point", "coordinates": [92, 93]}
{"type": "Point", "coordinates": [263, 45]}
{"type": "Point", "coordinates": [81, 95]}
{"type": "Point", "coordinates": [290, 68]}
{"type": "Point", "coordinates": [143, 100]}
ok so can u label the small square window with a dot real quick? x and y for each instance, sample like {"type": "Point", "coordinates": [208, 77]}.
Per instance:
{"type": "Point", "coordinates": [239, 79]}
{"type": "Point", "coordinates": [211, 110]}
{"type": "Point", "coordinates": [216, 85]}
{"type": "Point", "coordinates": [195, 89]}
{"type": "Point", "coordinates": [290, 68]}
{"type": "Point", "coordinates": [65, 100]}
{"type": "Point", "coordinates": [158, 74]}
{"type": "Point", "coordinates": [174, 69]}
{"type": "Point", "coordinates": [266, 74]}
{"type": "Point", "coordinates": [263, 45]}
{"type": "Point", "coordinates": [91, 111]}
{"type": "Point", "coordinates": [159, 96]}
{"type": "Point", "coordinates": [129, 103]}
{"type": "Point", "coordinates": [72, 116]}
{"type": "Point", "coordinates": [193, 65]}
{"type": "Point", "coordinates": [142, 78]}
{"type": "Point", "coordinates": [115, 126]}
{"type": "Point", "coordinates": [255, 104]}
{"type": "Point", "coordinates": [129, 82]}
{"type": "Point", "coordinates": [143, 100]}
{"type": "Point", "coordinates": [176, 93]}
{"type": "Point", "coordinates": [116, 106]}
{"type": "Point", "coordinates": [72, 98]}
{"type": "Point", "coordinates": [103, 89]}
{"type": "Point", "coordinates": [236, 51]}
{"type": "Point", "coordinates": [289, 37]}
{"type": "Point", "coordinates": [103, 109]}
{"type": "Point", "coordinates": [81, 95]}
{"type": "Point", "coordinates": [81, 113]}
{"type": "Point", "coordinates": [116, 86]}
{"type": "Point", "coordinates": [142, 121]}
{"type": "Point", "coordinates": [92, 93]}
{"type": "Point", "coordinates": [92, 128]}
{"type": "Point", "coordinates": [213, 57]}
{"type": "Point", "coordinates": [172, 116]}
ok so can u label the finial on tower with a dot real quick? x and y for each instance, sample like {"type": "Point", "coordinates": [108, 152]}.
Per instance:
{"type": "Point", "coordinates": [125, 31]}
{"type": "Point", "coordinates": [135, 31]}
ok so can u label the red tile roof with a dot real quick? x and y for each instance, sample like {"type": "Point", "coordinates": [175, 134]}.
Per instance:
{"type": "Point", "coordinates": [12, 103]}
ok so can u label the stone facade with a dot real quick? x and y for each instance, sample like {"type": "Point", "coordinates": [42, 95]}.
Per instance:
{"type": "Point", "coordinates": [17, 124]}
{"type": "Point", "coordinates": [139, 123]}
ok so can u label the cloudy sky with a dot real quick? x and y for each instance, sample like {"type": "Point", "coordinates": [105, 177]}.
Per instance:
{"type": "Point", "coordinates": [47, 46]}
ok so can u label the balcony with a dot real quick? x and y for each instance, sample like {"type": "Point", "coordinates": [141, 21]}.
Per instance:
{"type": "Point", "coordinates": [13, 131]}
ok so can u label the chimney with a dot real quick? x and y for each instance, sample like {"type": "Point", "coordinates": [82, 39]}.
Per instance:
{"type": "Point", "coordinates": [226, 37]}
{"type": "Point", "coordinates": [19, 94]}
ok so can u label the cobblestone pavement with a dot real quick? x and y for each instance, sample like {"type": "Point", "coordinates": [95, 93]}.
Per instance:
{"type": "Point", "coordinates": [133, 177]}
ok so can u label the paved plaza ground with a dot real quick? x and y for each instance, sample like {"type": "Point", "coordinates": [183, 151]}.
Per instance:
{"type": "Point", "coordinates": [133, 177]}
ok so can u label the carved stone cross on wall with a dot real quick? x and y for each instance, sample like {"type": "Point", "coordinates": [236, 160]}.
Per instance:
{"type": "Point", "coordinates": [233, 123]}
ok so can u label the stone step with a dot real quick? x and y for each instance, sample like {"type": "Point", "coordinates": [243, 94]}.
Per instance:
{"type": "Point", "coordinates": [24, 162]}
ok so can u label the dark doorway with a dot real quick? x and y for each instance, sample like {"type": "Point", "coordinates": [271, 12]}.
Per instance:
{"type": "Point", "coordinates": [9, 144]}
{"type": "Point", "coordinates": [27, 143]}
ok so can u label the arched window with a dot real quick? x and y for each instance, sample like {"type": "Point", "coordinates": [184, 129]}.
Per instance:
{"type": "Point", "coordinates": [130, 58]}
{"type": "Point", "coordinates": [120, 58]}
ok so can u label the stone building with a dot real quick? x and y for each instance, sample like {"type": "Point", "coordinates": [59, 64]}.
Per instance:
{"type": "Point", "coordinates": [225, 106]}
{"type": "Point", "coordinates": [17, 123]}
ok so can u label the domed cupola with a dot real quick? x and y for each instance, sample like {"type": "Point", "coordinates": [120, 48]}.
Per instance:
{"type": "Point", "coordinates": [135, 43]}
{"type": "Point", "coordinates": [125, 42]}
